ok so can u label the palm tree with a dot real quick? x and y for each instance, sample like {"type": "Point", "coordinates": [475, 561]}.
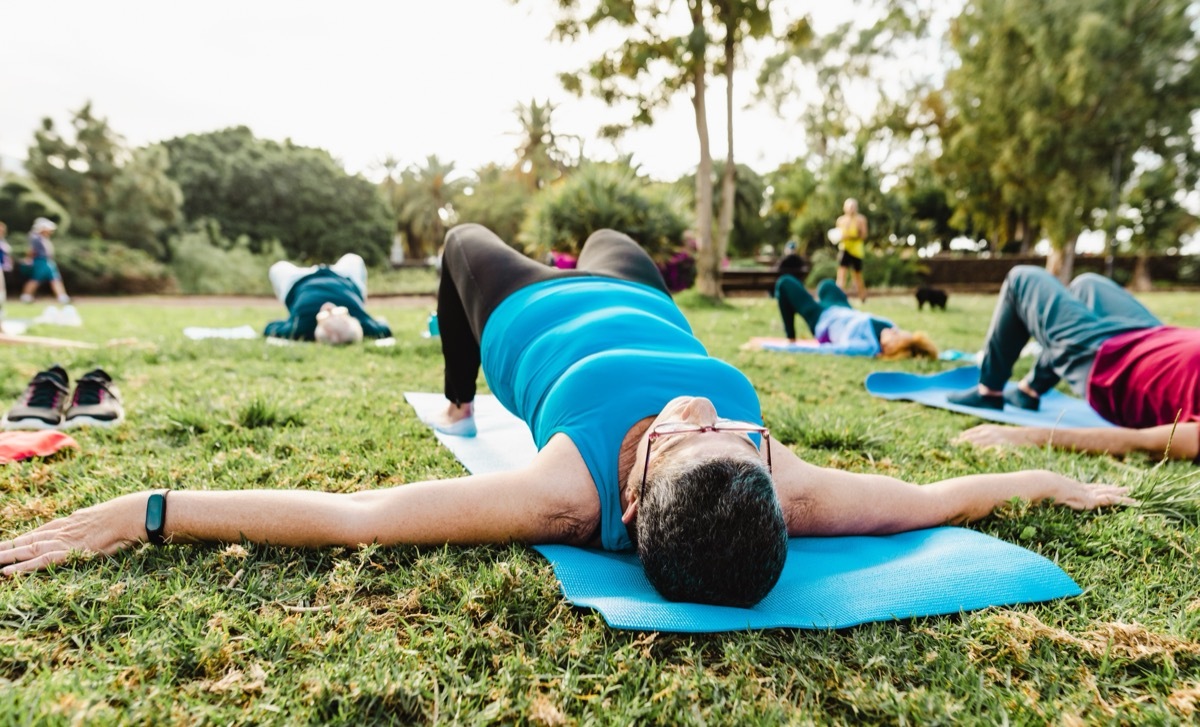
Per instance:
{"type": "Point", "coordinates": [425, 203]}
{"type": "Point", "coordinates": [540, 156]}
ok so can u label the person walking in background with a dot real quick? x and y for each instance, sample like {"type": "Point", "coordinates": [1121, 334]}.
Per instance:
{"type": "Point", "coordinates": [852, 228]}
{"type": "Point", "coordinates": [39, 265]}
{"type": "Point", "coordinates": [6, 265]}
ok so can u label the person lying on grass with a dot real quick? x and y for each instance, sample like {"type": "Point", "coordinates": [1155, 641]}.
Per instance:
{"type": "Point", "coordinates": [644, 440]}
{"type": "Point", "coordinates": [839, 328]}
{"type": "Point", "coordinates": [1134, 371]}
{"type": "Point", "coordinates": [325, 303]}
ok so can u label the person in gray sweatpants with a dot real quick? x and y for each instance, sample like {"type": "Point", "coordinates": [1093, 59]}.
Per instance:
{"type": "Point", "coordinates": [1070, 324]}
{"type": "Point", "coordinates": [1135, 371]}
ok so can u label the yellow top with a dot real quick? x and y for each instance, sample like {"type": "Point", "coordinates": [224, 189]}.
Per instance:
{"type": "Point", "coordinates": [851, 241]}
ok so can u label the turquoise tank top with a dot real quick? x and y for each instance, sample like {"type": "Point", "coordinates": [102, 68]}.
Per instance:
{"type": "Point", "coordinates": [590, 357]}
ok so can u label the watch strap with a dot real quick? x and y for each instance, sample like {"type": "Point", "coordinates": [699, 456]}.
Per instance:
{"type": "Point", "coordinates": [156, 517]}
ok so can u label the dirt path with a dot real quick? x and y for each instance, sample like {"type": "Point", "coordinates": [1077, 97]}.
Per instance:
{"type": "Point", "coordinates": [250, 301]}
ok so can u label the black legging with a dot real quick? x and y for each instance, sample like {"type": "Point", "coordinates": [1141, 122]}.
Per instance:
{"type": "Point", "coordinates": [479, 271]}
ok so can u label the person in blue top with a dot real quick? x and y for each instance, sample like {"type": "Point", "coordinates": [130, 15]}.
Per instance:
{"type": "Point", "coordinates": [325, 303]}
{"type": "Point", "coordinates": [841, 329]}
{"type": "Point", "coordinates": [644, 441]}
{"type": "Point", "coordinates": [6, 265]}
{"type": "Point", "coordinates": [39, 266]}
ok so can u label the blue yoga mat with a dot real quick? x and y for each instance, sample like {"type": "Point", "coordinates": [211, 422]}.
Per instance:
{"type": "Point", "coordinates": [827, 583]}
{"type": "Point", "coordinates": [802, 345]}
{"type": "Point", "coordinates": [1057, 409]}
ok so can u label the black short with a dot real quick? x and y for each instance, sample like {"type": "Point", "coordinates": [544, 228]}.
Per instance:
{"type": "Point", "coordinates": [846, 260]}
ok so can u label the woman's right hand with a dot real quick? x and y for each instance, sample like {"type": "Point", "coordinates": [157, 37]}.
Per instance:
{"type": "Point", "coordinates": [104, 528]}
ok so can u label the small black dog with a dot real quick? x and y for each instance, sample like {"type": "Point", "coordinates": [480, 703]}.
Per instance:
{"type": "Point", "coordinates": [935, 297]}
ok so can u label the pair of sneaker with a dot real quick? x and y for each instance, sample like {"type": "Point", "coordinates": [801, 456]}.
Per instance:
{"type": "Point", "coordinates": [1013, 396]}
{"type": "Point", "coordinates": [48, 404]}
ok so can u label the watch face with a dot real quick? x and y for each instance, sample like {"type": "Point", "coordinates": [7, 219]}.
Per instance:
{"type": "Point", "coordinates": [154, 513]}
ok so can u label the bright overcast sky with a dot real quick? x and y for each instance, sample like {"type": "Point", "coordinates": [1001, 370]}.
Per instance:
{"type": "Point", "coordinates": [364, 80]}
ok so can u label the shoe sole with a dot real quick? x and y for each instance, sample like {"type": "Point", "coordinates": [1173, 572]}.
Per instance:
{"type": "Point", "coordinates": [28, 424]}
{"type": "Point", "coordinates": [85, 421]}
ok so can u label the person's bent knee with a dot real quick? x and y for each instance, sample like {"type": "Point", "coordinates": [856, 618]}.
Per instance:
{"type": "Point", "coordinates": [460, 233]}
{"type": "Point", "coordinates": [825, 287]}
{"type": "Point", "coordinates": [1023, 276]}
{"type": "Point", "coordinates": [786, 284]}
{"type": "Point", "coordinates": [1025, 273]}
{"type": "Point", "coordinates": [1088, 281]}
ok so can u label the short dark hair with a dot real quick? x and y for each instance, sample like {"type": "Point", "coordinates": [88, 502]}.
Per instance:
{"type": "Point", "coordinates": [712, 532]}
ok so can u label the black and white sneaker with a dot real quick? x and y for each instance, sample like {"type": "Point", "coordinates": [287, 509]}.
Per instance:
{"type": "Point", "coordinates": [96, 402]}
{"type": "Point", "coordinates": [42, 404]}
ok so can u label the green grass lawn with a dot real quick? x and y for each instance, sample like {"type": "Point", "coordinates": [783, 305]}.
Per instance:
{"type": "Point", "coordinates": [253, 634]}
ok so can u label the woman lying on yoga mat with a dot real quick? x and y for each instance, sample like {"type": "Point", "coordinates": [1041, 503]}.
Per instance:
{"type": "Point", "coordinates": [643, 438]}
{"type": "Point", "coordinates": [841, 329]}
{"type": "Point", "coordinates": [1134, 371]}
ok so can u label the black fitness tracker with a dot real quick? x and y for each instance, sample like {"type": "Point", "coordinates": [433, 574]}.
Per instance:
{"type": "Point", "coordinates": [156, 517]}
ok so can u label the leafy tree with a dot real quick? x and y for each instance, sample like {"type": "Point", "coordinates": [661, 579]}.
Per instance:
{"type": "Point", "coordinates": [144, 203]}
{"type": "Point", "coordinates": [111, 192]}
{"type": "Point", "coordinates": [271, 191]}
{"type": "Point", "coordinates": [496, 199]}
{"type": "Point", "coordinates": [540, 154]}
{"type": "Point", "coordinates": [845, 76]}
{"type": "Point", "coordinates": [658, 59]}
{"type": "Point", "coordinates": [79, 172]}
{"type": "Point", "coordinates": [793, 189]}
{"type": "Point", "coordinates": [22, 202]}
{"type": "Point", "coordinates": [748, 228]}
{"type": "Point", "coordinates": [1155, 215]}
{"type": "Point", "coordinates": [424, 204]}
{"type": "Point", "coordinates": [603, 195]}
{"type": "Point", "coordinates": [1051, 97]}
{"type": "Point", "coordinates": [926, 204]}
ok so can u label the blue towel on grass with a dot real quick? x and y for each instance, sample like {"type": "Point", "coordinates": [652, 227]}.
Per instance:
{"type": "Point", "coordinates": [1057, 409]}
{"type": "Point", "coordinates": [827, 583]}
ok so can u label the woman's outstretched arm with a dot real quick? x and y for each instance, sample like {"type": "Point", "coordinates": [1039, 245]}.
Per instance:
{"type": "Point", "coordinates": [552, 500]}
{"type": "Point", "coordinates": [1174, 441]}
{"type": "Point", "coordinates": [822, 501]}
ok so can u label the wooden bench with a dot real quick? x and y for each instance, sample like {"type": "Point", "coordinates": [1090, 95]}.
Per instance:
{"type": "Point", "coordinates": [756, 281]}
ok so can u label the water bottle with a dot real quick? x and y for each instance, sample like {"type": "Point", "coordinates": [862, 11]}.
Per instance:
{"type": "Point", "coordinates": [433, 325]}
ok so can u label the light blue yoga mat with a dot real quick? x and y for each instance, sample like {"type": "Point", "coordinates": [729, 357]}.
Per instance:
{"type": "Point", "coordinates": [1057, 409]}
{"type": "Point", "coordinates": [827, 583]}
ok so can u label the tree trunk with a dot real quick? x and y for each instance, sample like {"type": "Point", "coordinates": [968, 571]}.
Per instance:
{"type": "Point", "coordinates": [708, 268]}
{"type": "Point", "coordinates": [729, 175]}
{"type": "Point", "coordinates": [1141, 274]}
{"type": "Point", "coordinates": [1061, 262]}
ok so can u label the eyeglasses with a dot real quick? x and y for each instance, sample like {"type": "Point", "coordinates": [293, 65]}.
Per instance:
{"type": "Point", "coordinates": [338, 311]}
{"type": "Point", "coordinates": [667, 429]}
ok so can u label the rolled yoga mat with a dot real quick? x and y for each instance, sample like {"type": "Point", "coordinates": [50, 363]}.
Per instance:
{"type": "Point", "coordinates": [1057, 409]}
{"type": "Point", "coordinates": [827, 583]}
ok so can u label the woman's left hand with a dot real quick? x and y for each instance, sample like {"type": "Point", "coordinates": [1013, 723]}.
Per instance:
{"type": "Point", "coordinates": [104, 528]}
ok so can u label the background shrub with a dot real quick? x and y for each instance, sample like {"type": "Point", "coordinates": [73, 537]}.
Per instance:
{"type": "Point", "coordinates": [598, 196]}
{"type": "Point", "coordinates": [203, 268]}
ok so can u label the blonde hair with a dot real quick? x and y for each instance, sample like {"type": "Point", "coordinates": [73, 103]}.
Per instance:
{"type": "Point", "coordinates": [338, 330]}
{"type": "Point", "coordinates": [917, 345]}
